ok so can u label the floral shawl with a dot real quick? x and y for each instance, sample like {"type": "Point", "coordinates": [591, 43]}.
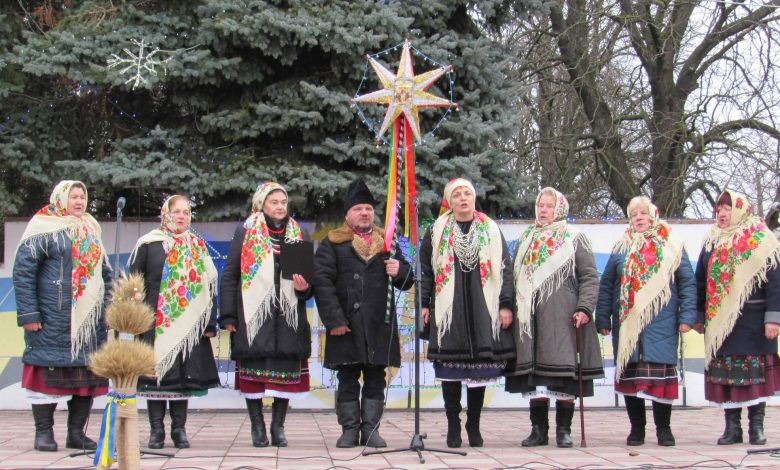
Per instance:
{"type": "Point", "coordinates": [89, 260]}
{"type": "Point", "coordinates": [545, 258]}
{"type": "Point", "coordinates": [443, 261]}
{"type": "Point", "coordinates": [258, 284]}
{"type": "Point", "coordinates": [187, 288]}
{"type": "Point", "coordinates": [741, 255]}
{"type": "Point", "coordinates": [652, 258]}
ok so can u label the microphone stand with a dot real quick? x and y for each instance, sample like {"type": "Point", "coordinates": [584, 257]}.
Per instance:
{"type": "Point", "coordinates": [120, 204]}
{"type": "Point", "coordinates": [416, 445]}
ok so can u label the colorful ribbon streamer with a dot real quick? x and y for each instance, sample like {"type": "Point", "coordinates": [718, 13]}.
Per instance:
{"type": "Point", "coordinates": [105, 453]}
{"type": "Point", "coordinates": [402, 132]}
{"type": "Point", "coordinates": [410, 203]}
{"type": "Point", "coordinates": [391, 210]}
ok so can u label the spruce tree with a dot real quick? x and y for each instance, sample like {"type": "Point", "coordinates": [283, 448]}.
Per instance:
{"type": "Point", "coordinates": [248, 91]}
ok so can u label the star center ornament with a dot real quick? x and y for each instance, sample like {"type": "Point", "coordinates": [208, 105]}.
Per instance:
{"type": "Point", "coordinates": [404, 92]}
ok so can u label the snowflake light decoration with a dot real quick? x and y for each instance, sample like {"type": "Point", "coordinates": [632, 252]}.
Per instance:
{"type": "Point", "coordinates": [138, 63]}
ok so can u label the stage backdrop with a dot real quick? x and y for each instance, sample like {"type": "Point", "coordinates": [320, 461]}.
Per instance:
{"type": "Point", "coordinates": [401, 381]}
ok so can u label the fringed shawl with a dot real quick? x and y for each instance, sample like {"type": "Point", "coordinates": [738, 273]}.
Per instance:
{"type": "Point", "coordinates": [490, 268]}
{"type": "Point", "coordinates": [258, 283]}
{"type": "Point", "coordinates": [742, 253]}
{"type": "Point", "coordinates": [652, 258]}
{"type": "Point", "coordinates": [545, 258]}
{"type": "Point", "coordinates": [187, 289]}
{"type": "Point", "coordinates": [88, 253]}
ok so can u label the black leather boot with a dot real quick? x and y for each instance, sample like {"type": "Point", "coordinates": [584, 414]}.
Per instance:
{"type": "Point", "coordinates": [178, 411]}
{"type": "Point", "coordinates": [278, 414]}
{"type": "Point", "coordinates": [370, 415]}
{"type": "Point", "coordinates": [475, 398]}
{"type": "Point", "coordinates": [349, 418]}
{"type": "Point", "coordinates": [539, 424]}
{"type": "Point", "coordinates": [156, 411]}
{"type": "Point", "coordinates": [662, 415]}
{"type": "Point", "coordinates": [635, 407]}
{"type": "Point", "coordinates": [78, 414]}
{"type": "Point", "coordinates": [255, 409]}
{"type": "Point", "coordinates": [756, 424]}
{"type": "Point", "coordinates": [733, 432]}
{"type": "Point", "coordinates": [564, 412]}
{"type": "Point", "coordinates": [44, 427]}
{"type": "Point", "coordinates": [451, 393]}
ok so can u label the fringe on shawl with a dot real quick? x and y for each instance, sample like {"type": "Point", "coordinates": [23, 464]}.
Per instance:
{"type": "Point", "coordinates": [288, 303]}
{"type": "Point", "coordinates": [444, 319]}
{"type": "Point", "coordinates": [637, 321]}
{"type": "Point", "coordinates": [86, 332]}
{"type": "Point", "coordinates": [443, 323]}
{"type": "Point", "coordinates": [495, 312]}
{"type": "Point", "coordinates": [717, 236]}
{"type": "Point", "coordinates": [622, 246]}
{"type": "Point", "coordinates": [261, 314]}
{"type": "Point", "coordinates": [192, 338]}
{"type": "Point", "coordinates": [32, 243]}
{"type": "Point", "coordinates": [552, 283]}
{"type": "Point", "coordinates": [711, 346]}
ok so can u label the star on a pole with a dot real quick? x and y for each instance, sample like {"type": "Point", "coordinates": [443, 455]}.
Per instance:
{"type": "Point", "coordinates": [404, 92]}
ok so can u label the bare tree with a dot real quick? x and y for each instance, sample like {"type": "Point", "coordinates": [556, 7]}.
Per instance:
{"type": "Point", "coordinates": [664, 90]}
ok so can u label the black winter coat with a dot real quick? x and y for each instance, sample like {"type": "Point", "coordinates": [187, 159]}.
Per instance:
{"type": "Point", "coordinates": [42, 285]}
{"type": "Point", "coordinates": [274, 339]}
{"type": "Point", "coordinates": [350, 288]}
{"type": "Point", "coordinates": [470, 336]}
{"type": "Point", "coordinates": [763, 306]}
{"type": "Point", "coordinates": [199, 370]}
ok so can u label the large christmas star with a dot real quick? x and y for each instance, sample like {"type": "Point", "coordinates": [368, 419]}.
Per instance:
{"type": "Point", "coordinates": [404, 93]}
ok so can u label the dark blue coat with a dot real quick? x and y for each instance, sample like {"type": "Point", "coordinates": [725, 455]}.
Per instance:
{"type": "Point", "coordinates": [763, 306]}
{"type": "Point", "coordinates": [43, 295]}
{"type": "Point", "coordinates": [658, 340]}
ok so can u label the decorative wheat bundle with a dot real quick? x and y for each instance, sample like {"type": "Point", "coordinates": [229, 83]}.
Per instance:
{"type": "Point", "coordinates": [123, 361]}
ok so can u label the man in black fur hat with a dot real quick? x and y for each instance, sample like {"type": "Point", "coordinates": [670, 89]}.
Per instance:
{"type": "Point", "coordinates": [350, 288]}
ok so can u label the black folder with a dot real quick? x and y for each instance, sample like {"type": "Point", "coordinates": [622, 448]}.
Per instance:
{"type": "Point", "coordinates": [297, 258]}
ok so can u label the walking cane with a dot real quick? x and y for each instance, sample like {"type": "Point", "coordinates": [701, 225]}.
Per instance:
{"type": "Point", "coordinates": [578, 335]}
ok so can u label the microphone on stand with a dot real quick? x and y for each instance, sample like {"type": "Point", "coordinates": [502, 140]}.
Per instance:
{"type": "Point", "coordinates": [120, 204]}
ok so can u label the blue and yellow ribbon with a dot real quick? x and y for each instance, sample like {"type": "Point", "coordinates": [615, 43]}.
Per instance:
{"type": "Point", "coordinates": [105, 452]}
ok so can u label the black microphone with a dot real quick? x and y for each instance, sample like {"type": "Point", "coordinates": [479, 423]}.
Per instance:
{"type": "Point", "coordinates": [120, 203]}
{"type": "Point", "coordinates": [770, 450]}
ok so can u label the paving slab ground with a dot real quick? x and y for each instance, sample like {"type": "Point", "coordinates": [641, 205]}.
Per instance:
{"type": "Point", "coordinates": [221, 440]}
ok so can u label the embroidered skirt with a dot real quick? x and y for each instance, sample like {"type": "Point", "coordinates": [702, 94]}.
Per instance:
{"type": "Point", "coordinates": [737, 381]}
{"type": "Point", "coordinates": [57, 381]}
{"type": "Point", "coordinates": [478, 372]}
{"type": "Point", "coordinates": [271, 377]}
{"type": "Point", "coordinates": [650, 380]}
{"type": "Point", "coordinates": [157, 394]}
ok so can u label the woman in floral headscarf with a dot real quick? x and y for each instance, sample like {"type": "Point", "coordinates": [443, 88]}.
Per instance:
{"type": "Point", "coordinates": [266, 314]}
{"type": "Point", "coordinates": [647, 294]}
{"type": "Point", "coordinates": [180, 280]}
{"type": "Point", "coordinates": [738, 287]}
{"type": "Point", "coordinates": [556, 288]}
{"type": "Point", "coordinates": [61, 281]}
{"type": "Point", "coordinates": [467, 300]}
